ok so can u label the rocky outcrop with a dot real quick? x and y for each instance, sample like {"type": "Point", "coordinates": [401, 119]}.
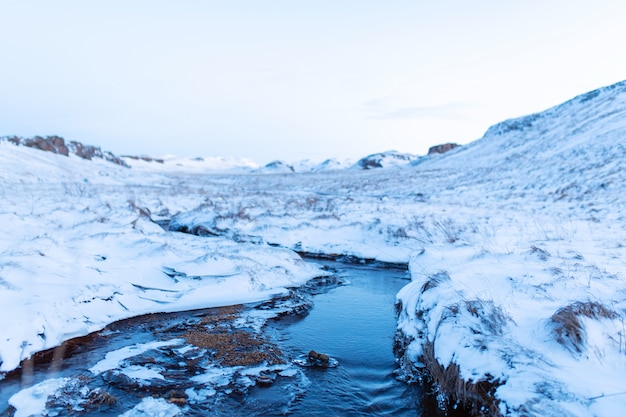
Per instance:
{"type": "Point", "coordinates": [443, 148]}
{"type": "Point", "coordinates": [56, 144]}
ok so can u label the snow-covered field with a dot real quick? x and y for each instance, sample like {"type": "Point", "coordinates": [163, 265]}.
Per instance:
{"type": "Point", "coordinates": [515, 244]}
{"type": "Point", "coordinates": [78, 250]}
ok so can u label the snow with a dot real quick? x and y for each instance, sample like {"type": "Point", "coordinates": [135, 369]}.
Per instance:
{"type": "Point", "coordinates": [32, 401]}
{"type": "Point", "coordinates": [113, 359]}
{"type": "Point", "coordinates": [503, 237]}
{"type": "Point", "coordinates": [153, 407]}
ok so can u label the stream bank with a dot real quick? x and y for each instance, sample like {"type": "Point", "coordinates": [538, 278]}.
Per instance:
{"type": "Point", "coordinates": [237, 360]}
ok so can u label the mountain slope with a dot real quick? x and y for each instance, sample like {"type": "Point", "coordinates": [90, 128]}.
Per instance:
{"type": "Point", "coordinates": [582, 134]}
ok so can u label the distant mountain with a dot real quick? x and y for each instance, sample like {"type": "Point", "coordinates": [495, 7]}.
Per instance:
{"type": "Point", "coordinates": [197, 164]}
{"type": "Point", "coordinates": [58, 145]}
{"type": "Point", "coordinates": [305, 165]}
{"type": "Point", "coordinates": [332, 164]}
{"type": "Point", "coordinates": [276, 167]}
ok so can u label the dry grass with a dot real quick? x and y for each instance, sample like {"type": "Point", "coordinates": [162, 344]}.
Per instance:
{"type": "Point", "coordinates": [542, 254]}
{"type": "Point", "coordinates": [475, 397]}
{"type": "Point", "coordinates": [100, 398]}
{"type": "Point", "coordinates": [456, 394]}
{"type": "Point", "coordinates": [435, 280]}
{"type": "Point", "coordinates": [567, 325]}
{"type": "Point", "coordinates": [230, 345]}
{"type": "Point", "coordinates": [236, 347]}
{"type": "Point", "coordinates": [492, 318]}
{"type": "Point", "coordinates": [450, 230]}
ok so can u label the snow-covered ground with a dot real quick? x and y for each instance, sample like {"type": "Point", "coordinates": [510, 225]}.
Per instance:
{"type": "Point", "coordinates": [515, 243]}
{"type": "Point", "coordinates": [78, 250]}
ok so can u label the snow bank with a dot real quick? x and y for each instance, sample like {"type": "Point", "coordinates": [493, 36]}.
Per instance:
{"type": "Point", "coordinates": [495, 316]}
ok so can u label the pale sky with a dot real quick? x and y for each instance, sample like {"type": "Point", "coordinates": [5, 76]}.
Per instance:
{"type": "Point", "coordinates": [295, 79]}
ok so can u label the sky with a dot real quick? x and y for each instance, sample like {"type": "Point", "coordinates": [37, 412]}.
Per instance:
{"type": "Point", "coordinates": [292, 80]}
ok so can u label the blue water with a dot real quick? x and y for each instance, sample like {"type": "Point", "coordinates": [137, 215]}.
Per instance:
{"type": "Point", "coordinates": [355, 324]}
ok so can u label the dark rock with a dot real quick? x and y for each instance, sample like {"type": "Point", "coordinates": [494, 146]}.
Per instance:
{"type": "Point", "coordinates": [264, 380]}
{"type": "Point", "coordinates": [85, 151]}
{"type": "Point", "coordinates": [54, 144]}
{"type": "Point", "coordinates": [443, 148]}
{"type": "Point", "coordinates": [319, 359]}
{"type": "Point", "coordinates": [140, 360]}
{"type": "Point", "coordinates": [176, 396]}
{"type": "Point", "coordinates": [119, 379]}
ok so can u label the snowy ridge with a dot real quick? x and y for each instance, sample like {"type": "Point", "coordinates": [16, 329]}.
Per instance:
{"type": "Point", "coordinates": [223, 165]}
{"type": "Point", "coordinates": [388, 159]}
{"type": "Point", "coordinates": [564, 131]}
{"type": "Point", "coordinates": [57, 145]}
{"type": "Point", "coordinates": [170, 163]}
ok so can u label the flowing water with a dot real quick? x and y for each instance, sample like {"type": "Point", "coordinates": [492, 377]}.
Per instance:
{"type": "Point", "coordinates": [353, 322]}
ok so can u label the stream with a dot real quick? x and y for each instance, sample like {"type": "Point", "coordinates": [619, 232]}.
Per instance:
{"type": "Point", "coordinates": [354, 323]}
{"type": "Point", "coordinates": [205, 362]}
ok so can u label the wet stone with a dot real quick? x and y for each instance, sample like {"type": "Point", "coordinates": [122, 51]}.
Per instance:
{"type": "Point", "coordinates": [140, 360]}
{"type": "Point", "coordinates": [119, 380]}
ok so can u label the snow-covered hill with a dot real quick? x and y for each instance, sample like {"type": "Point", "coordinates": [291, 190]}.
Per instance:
{"type": "Point", "coordinates": [567, 152]}
{"type": "Point", "coordinates": [515, 244]}
{"type": "Point", "coordinates": [388, 159]}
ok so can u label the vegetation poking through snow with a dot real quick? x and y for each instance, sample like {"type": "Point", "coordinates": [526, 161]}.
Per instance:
{"type": "Point", "coordinates": [568, 326]}
{"type": "Point", "coordinates": [455, 391]}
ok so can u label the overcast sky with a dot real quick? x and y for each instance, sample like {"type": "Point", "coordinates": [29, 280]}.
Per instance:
{"type": "Point", "coordinates": [295, 79]}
